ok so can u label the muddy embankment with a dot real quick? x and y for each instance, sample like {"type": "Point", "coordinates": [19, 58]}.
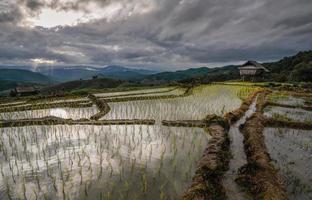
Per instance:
{"type": "Point", "coordinates": [258, 175]}
{"type": "Point", "coordinates": [185, 123]}
{"type": "Point", "coordinates": [102, 105]}
{"type": "Point", "coordinates": [238, 157]}
{"type": "Point", "coordinates": [39, 106]}
{"type": "Point", "coordinates": [308, 108]}
{"type": "Point", "coordinates": [208, 179]}
{"type": "Point", "coordinates": [188, 91]}
{"type": "Point", "coordinates": [273, 122]}
{"type": "Point", "coordinates": [277, 123]}
{"type": "Point", "coordinates": [207, 182]}
{"type": "Point", "coordinates": [60, 121]}
{"type": "Point", "coordinates": [235, 115]}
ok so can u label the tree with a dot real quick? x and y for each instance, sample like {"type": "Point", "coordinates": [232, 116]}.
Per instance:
{"type": "Point", "coordinates": [302, 72]}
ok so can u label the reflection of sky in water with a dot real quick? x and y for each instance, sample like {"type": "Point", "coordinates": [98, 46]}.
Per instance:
{"type": "Point", "coordinates": [296, 114]}
{"type": "Point", "coordinates": [211, 99]}
{"type": "Point", "coordinates": [58, 112]}
{"type": "Point", "coordinates": [74, 113]}
{"type": "Point", "coordinates": [290, 100]}
{"type": "Point", "coordinates": [291, 151]}
{"type": "Point", "coordinates": [108, 158]}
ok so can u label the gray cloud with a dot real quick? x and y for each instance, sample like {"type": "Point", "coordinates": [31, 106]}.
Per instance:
{"type": "Point", "coordinates": [175, 34]}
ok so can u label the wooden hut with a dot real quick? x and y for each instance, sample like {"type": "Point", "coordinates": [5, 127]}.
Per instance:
{"type": "Point", "coordinates": [26, 91]}
{"type": "Point", "coordinates": [252, 70]}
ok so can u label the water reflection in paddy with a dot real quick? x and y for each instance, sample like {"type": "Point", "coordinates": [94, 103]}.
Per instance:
{"type": "Point", "coordinates": [89, 162]}
{"type": "Point", "coordinates": [73, 113]}
{"type": "Point", "coordinates": [291, 151]}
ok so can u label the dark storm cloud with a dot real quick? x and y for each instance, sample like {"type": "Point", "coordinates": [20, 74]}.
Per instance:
{"type": "Point", "coordinates": [175, 33]}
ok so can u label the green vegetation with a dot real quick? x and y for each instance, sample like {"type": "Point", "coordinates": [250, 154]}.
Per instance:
{"type": "Point", "coordinates": [20, 75]}
{"type": "Point", "coordinates": [120, 149]}
{"type": "Point", "coordinates": [296, 68]}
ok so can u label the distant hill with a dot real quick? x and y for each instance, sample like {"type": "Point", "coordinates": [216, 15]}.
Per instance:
{"type": "Point", "coordinates": [100, 83]}
{"type": "Point", "coordinates": [21, 75]}
{"type": "Point", "coordinates": [179, 75]}
{"type": "Point", "coordinates": [7, 85]}
{"type": "Point", "coordinates": [209, 74]}
{"type": "Point", "coordinates": [297, 68]}
{"type": "Point", "coordinates": [294, 68]}
{"type": "Point", "coordinates": [67, 73]}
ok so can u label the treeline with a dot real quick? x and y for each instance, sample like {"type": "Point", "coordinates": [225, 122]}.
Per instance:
{"type": "Point", "coordinates": [296, 68]}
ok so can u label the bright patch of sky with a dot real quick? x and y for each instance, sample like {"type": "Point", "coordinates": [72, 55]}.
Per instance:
{"type": "Point", "coordinates": [50, 17]}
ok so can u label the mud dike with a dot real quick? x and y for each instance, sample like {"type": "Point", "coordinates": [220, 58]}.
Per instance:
{"type": "Point", "coordinates": [233, 190]}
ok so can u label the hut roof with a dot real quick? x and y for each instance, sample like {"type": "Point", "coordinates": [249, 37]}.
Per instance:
{"type": "Point", "coordinates": [253, 65]}
{"type": "Point", "coordinates": [23, 89]}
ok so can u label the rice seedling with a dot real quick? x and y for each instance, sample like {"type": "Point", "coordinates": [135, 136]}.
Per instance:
{"type": "Point", "coordinates": [73, 113]}
{"type": "Point", "coordinates": [291, 154]}
{"type": "Point", "coordinates": [136, 92]}
{"type": "Point", "coordinates": [288, 114]}
{"type": "Point", "coordinates": [209, 99]}
{"type": "Point", "coordinates": [118, 161]}
{"type": "Point", "coordinates": [76, 165]}
{"type": "Point", "coordinates": [285, 98]}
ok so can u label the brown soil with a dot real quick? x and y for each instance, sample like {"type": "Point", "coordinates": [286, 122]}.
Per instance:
{"type": "Point", "coordinates": [235, 115]}
{"type": "Point", "coordinates": [299, 94]}
{"type": "Point", "coordinates": [185, 123]}
{"type": "Point", "coordinates": [258, 175]}
{"type": "Point", "coordinates": [271, 122]}
{"type": "Point", "coordinates": [209, 119]}
{"type": "Point", "coordinates": [309, 108]}
{"type": "Point", "coordinates": [102, 106]}
{"type": "Point", "coordinates": [78, 104]}
{"type": "Point", "coordinates": [187, 92]}
{"type": "Point", "coordinates": [59, 121]}
{"type": "Point", "coordinates": [207, 182]}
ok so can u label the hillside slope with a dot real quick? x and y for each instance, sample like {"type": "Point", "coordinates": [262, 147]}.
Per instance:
{"type": "Point", "coordinates": [297, 68]}
{"type": "Point", "coordinates": [294, 68]}
{"type": "Point", "coordinates": [83, 84]}
{"type": "Point", "coordinates": [71, 73]}
{"type": "Point", "coordinates": [20, 75]}
{"type": "Point", "coordinates": [204, 73]}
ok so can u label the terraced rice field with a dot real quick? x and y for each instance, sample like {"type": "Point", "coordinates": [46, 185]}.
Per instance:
{"type": "Point", "coordinates": [135, 92]}
{"type": "Point", "coordinates": [176, 92]}
{"type": "Point", "coordinates": [293, 114]}
{"type": "Point", "coordinates": [95, 161]}
{"type": "Point", "coordinates": [67, 113]}
{"type": "Point", "coordinates": [205, 100]}
{"type": "Point", "coordinates": [87, 162]}
{"type": "Point", "coordinates": [291, 152]}
{"type": "Point", "coordinates": [286, 99]}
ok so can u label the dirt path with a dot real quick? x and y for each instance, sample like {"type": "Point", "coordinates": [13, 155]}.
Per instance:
{"type": "Point", "coordinates": [233, 190]}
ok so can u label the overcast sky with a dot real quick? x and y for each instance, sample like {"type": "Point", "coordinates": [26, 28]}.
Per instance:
{"type": "Point", "coordinates": [155, 34]}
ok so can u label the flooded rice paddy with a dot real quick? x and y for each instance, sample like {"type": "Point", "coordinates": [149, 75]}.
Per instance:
{"type": "Point", "coordinates": [204, 100]}
{"type": "Point", "coordinates": [291, 153]}
{"type": "Point", "coordinates": [286, 99]}
{"type": "Point", "coordinates": [155, 91]}
{"type": "Point", "coordinates": [93, 162]}
{"type": "Point", "coordinates": [110, 162]}
{"type": "Point", "coordinates": [293, 114]}
{"type": "Point", "coordinates": [67, 113]}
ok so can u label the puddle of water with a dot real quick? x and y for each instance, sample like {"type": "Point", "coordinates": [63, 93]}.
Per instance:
{"type": "Point", "coordinates": [234, 191]}
{"type": "Point", "coordinates": [295, 114]}
{"type": "Point", "coordinates": [291, 152]}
